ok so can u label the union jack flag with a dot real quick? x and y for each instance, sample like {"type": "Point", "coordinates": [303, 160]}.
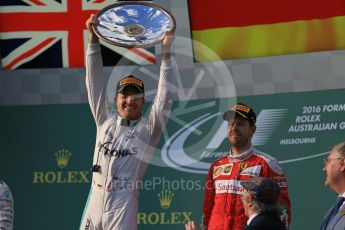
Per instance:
{"type": "Point", "coordinates": [52, 34]}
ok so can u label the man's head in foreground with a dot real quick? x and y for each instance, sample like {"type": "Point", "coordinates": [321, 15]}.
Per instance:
{"type": "Point", "coordinates": [129, 98]}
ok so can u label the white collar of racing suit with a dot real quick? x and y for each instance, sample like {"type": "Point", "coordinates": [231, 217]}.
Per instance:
{"type": "Point", "coordinates": [124, 122]}
{"type": "Point", "coordinates": [242, 156]}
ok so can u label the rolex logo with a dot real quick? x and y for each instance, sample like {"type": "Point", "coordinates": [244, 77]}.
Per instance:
{"type": "Point", "coordinates": [62, 157]}
{"type": "Point", "coordinates": [165, 198]}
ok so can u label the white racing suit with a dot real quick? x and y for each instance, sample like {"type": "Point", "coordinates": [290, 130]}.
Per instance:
{"type": "Point", "coordinates": [123, 149]}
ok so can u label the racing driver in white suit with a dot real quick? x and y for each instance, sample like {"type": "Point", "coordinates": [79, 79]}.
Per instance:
{"type": "Point", "coordinates": [125, 140]}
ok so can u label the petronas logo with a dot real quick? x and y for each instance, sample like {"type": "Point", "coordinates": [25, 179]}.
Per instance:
{"type": "Point", "coordinates": [62, 157]}
{"type": "Point", "coordinates": [165, 198]}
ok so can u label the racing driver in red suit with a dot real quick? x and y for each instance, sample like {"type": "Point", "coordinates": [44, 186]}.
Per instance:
{"type": "Point", "coordinates": [223, 208]}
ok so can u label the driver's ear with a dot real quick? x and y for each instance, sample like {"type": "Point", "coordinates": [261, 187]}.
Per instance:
{"type": "Point", "coordinates": [253, 128]}
{"type": "Point", "coordinates": [342, 167]}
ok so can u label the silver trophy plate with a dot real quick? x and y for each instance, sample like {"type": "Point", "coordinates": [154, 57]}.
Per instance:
{"type": "Point", "coordinates": [133, 24]}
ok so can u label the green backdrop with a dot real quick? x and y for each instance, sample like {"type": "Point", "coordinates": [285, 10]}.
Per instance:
{"type": "Point", "coordinates": [46, 154]}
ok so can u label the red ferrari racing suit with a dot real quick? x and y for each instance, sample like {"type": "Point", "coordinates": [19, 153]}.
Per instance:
{"type": "Point", "coordinates": [223, 208]}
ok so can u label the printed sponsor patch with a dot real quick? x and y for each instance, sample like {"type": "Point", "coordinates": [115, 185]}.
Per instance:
{"type": "Point", "coordinates": [243, 166]}
{"type": "Point", "coordinates": [251, 171]}
{"type": "Point", "coordinates": [222, 170]}
{"type": "Point", "coordinates": [282, 184]}
{"type": "Point", "coordinates": [228, 186]}
{"type": "Point", "coordinates": [281, 181]}
{"type": "Point", "coordinates": [227, 169]}
{"type": "Point", "coordinates": [242, 108]}
{"type": "Point", "coordinates": [131, 80]}
{"type": "Point", "coordinates": [217, 170]}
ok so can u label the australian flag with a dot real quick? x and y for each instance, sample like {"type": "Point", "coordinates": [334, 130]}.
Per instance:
{"type": "Point", "coordinates": [52, 34]}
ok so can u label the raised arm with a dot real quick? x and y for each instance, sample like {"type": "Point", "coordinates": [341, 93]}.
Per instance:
{"type": "Point", "coordinates": [167, 88]}
{"type": "Point", "coordinates": [167, 41]}
{"type": "Point", "coordinates": [95, 81]}
{"type": "Point", "coordinates": [93, 38]}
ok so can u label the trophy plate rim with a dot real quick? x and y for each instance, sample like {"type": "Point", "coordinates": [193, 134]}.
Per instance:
{"type": "Point", "coordinates": [134, 44]}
